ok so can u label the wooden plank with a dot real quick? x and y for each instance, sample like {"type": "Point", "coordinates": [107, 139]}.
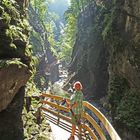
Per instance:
{"type": "Point", "coordinates": [68, 119]}
{"type": "Point", "coordinates": [113, 134]}
{"type": "Point", "coordinates": [95, 125]}
{"type": "Point", "coordinates": [62, 124]}
{"type": "Point", "coordinates": [55, 105]}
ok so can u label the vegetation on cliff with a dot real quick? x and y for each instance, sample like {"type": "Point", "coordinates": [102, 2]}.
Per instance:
{"type": "Point", "coordinates": [16, 67]}
{"type": "Point", "coordinates": [99, 40]}
{"type": "Point", "coordinates": [109, 41]}
{"type": "Point", "coordinates": [14, 32]}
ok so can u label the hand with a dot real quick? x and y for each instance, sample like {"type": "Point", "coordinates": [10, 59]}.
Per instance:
{"type": "Point", "coordinates": [69, 107]}
{"type": "Point", "coordinates": [63, 101]}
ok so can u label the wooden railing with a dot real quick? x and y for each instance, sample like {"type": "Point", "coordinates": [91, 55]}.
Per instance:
{"type": "Point", "coordinates": [96, 124]}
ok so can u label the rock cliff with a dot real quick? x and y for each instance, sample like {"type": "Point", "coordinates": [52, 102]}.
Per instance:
{"type": "Point", "coordinates": [106, 59]}
{"type": "Point", "coordinates": [15, 67]}
{"type": "Point", "coordinates": [89, 57]}
{"type": "Point", "coordinates": [123, 40]}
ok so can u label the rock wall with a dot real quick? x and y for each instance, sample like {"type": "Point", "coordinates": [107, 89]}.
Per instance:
{"type": "Point", "coordinates": [15, 67]}
{"type": "Point", "coordinates": [11, 120]}
{"type": "Point", "coordinates": [123, 40]}
{"type": "Point", "coordinates": [12, 78]}
{"type": "Point", "coordinates": [89, 57]}
{"type": "Point", "coordinates": [106, 59]}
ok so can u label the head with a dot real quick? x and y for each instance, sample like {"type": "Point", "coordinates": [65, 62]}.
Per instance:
{"type": "Point", "coordinates": [77, 86]}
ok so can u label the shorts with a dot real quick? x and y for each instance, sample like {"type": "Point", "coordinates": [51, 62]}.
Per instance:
{"type": "Point", "coordinates": [76, 119]}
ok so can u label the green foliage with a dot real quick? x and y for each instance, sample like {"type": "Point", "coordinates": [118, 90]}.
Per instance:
{"type": "Point", "coordinates": [124, 103]}
{"type": "Point", "coordinates": [69, 31]}
{"type": "Point", "coordinates": [15, 32]}
{"type": "Point", "coordinates": [37, 42]}
{"type": "Point", "coordinates": [15, 61]}
{"type": "Point", "coordinates": [31, 88]}
{"type": "Point", "coordinates": [108, 25]}
{"type": "Point", "coordinates": [33, 130]}
{"type": "Point", "coordinates": [128, 111]}
{"type": "Point", "coordinates": [110, 15]}
{"type": "Point", "coordinates": [116, 90]}
{"type": "Point", "coordinates": [57, 90]}
{"type": "Point", "coordinates": [10, 7]}
{"type": "Point", "coordinates": [112, 29]}
{"type": "Point", "coordinates": [46, 21]}
{"type": "Point", "coordinates": [6, 17]}
{"type": "Point", "coordinates": [68, 34]}
{"type": "Point", "coordinates": [41, 7]}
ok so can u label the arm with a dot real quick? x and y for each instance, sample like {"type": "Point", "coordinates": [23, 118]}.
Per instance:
{"type": "Point", "coordinates": [67, 102]}
{"type": "Point", "coordinates": [74, 105]}
{"type": "Point", "coordinates": [69, 105]}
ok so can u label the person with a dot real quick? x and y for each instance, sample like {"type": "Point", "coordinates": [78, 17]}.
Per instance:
{"type": "Point", "coordinates": [76, 108]}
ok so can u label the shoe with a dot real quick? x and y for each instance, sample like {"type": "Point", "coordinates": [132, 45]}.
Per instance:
{"type": "Point", "coordinates": [71, 138]}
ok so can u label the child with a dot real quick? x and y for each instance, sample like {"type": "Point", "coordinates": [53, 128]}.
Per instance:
{"type": "Point", "coordinates": [76, 108]}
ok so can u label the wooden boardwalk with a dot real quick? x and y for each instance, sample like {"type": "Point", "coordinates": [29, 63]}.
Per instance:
{"type": "Point", "coordinates": [58, 131]}
{"type": "Point", "coordinates": [92, 128]}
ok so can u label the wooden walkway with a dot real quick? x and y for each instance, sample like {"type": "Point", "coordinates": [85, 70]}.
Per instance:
{"type": "Point", "coordinates": [58, 131]}
{"type": "Point", "coordinates": [92, 128]}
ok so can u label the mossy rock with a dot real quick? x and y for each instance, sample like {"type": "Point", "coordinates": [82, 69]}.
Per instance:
{"type": "Point", "coordinates": [128, 112]}
{"type": "Point", "coordinates": [14, 32]}
{"type": "Point", "coordinates": [124, 104]}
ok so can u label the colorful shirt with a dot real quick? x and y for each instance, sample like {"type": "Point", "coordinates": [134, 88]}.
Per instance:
{"type": "Point", "coordinates": [77, 97]}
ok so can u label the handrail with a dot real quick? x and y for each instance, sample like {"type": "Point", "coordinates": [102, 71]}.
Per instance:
{"type": "Point", "coordinates": [111, 131]}
{"type": "Point", "coordinates": [113, 134]}
{"type": "Point", "coordinates": [55, 105]}
{"type": "Point", "coordinates": [52, 96]}
{"type": "Point", "coordinates": [95, 125]}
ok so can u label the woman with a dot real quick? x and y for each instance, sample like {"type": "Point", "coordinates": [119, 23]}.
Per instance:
{"type": "Point", "coordinates": [76, 108]}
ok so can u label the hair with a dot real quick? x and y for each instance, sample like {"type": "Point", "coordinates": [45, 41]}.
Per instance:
{"type": "Point", "coordinates": [77, 83]}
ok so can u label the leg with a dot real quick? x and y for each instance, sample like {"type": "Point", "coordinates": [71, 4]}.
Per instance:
{"type": "Point", "coordinates": [79, 132]}
{"type": "Point", "coordinates": [73, 129]}
{"type": "Point", "coordinates": [72, 132]}
{"type": "Point", "coordinates": [79, 128]}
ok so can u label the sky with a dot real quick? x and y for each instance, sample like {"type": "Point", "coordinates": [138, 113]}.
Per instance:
{"type": "Point", "coordinates": [59, 6]}
{"type": "Point", "coordinates": [68, 1]}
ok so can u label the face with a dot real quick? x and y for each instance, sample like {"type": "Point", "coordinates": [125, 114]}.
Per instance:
{"type": "Point", "coordinates": [77, 87]}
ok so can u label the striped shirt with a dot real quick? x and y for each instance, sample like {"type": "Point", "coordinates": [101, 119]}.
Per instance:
{"type": "Point", "coordinates": [77, 97]}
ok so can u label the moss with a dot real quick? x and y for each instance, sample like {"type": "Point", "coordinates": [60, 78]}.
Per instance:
{"type": "Point", "coordinates": [6, 17]}
{"type": "Point", "coordinates": [107, 23]}
{"type": "Point", "coordinates": [9, 13]}
{"type": "Point", "coordinates": [15, 32]}
{"type": "Point", "coordinates": [13, 46]}
{"type": "Point", "coordinates": [124, 104]}
{"type": "Point", "coordinates": [6, 63]}
{"type": "Point", "coordinates": [117, 87]}
{"type": "Point", "coordinates": [15, 50]}
{"type": "Point", "coordinates": [1, 10]}
{"type": "Point", "coordinates": [33, 130]}
{"type": "Point", "coordinates": [128, 111]}
{"type": "Point", "coordinates": [10, 8]}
